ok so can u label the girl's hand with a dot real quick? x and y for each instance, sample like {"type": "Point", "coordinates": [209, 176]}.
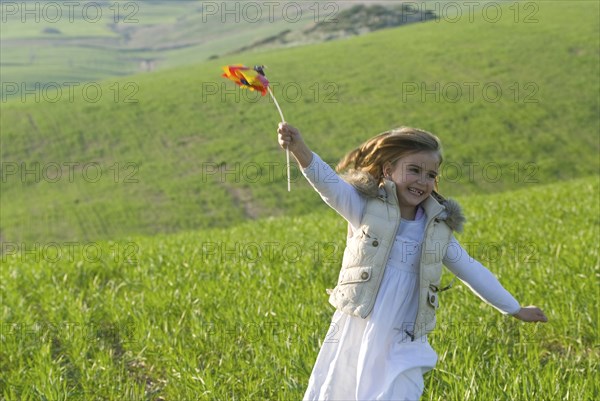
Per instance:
{"type": "Point", "coordinates": [531, 314]}
{"type": "Point", "coordinates": [289, 138]}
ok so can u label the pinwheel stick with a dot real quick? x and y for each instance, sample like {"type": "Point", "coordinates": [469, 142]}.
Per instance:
{"type": "Point", "coordinates": [255, 79]}
{"type": "Point", "coordinates": [287, 151]}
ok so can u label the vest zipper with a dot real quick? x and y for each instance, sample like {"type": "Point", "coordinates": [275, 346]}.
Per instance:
{"type": "Point", "coordinates": [423, 246]}
{"type": "Point", "coordinates": [389, 248]}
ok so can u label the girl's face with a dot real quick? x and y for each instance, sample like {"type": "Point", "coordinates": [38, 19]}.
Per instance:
{"type": "Point", "coordinates": [415, 176]}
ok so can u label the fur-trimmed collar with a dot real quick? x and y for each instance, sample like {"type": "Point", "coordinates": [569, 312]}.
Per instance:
{"type": "Point", "coordinates": [367, 185]}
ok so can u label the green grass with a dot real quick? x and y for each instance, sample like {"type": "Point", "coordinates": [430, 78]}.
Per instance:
{"type": "Point", "coordinates": [184, 149]}
{"type": "Point", "coordinates": [239, 314]}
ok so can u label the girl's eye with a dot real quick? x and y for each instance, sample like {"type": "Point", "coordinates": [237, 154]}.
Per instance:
{"type": "Point", "coordinates": [413, 169]}
{"type": "Point", "coordinates": [433, 176]}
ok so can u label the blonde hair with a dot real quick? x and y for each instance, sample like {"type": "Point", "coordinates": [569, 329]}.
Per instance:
{"type": "Point", "coordinates": [389, 146]}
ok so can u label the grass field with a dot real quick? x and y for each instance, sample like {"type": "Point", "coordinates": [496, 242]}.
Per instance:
{"type": "Point", "coordinates": [239, 314]}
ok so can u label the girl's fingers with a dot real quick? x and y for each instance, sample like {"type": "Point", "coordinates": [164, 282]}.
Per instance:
{"type": "Point", "coordinates": [284, 140]}
{"type": "Point", "coordinates": [532, 314]}
{"type": "Point", "coordinates": [286, 128]}
{"type": "Point", "coordinates": [283, 127]}
{"type": "Point", "coordinates": [286, 134]}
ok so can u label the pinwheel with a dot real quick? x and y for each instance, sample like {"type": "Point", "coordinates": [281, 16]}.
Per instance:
{"type": "Point", "coordinates": [254, 79]}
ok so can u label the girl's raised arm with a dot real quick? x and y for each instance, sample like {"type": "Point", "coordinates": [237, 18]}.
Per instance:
{"type": "Point", "coordinates": [336, 192]}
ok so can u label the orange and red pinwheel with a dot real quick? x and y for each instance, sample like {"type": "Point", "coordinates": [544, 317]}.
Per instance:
{"type": "Point", "coordinates": [247, 77]}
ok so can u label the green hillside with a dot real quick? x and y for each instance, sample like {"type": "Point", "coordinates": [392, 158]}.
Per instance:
{"type": "Point", "coordinates": [55, 42]}
{"type": "Point", "coordinates": [183, 149]}
{"type": "Point", "coordinates": [239, 314]}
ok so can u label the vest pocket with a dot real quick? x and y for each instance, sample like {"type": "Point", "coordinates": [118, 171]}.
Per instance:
{"type": "Point", "coordinates": [347, 296]}
{"type": "Point", "coordinates": [361, 245]}
{"type": "Point", "coordinates": [359, 274]}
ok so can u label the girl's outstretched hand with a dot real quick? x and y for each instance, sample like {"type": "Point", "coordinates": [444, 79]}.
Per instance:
{"type": "Point", "coordinates": [531, 314]}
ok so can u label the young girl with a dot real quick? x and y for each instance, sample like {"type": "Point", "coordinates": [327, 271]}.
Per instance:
{"type": "Point", "coordinates": [400, 231]}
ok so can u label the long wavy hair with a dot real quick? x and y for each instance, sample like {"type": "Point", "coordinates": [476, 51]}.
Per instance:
{"type": "Point", "coordinates": [389, 146]}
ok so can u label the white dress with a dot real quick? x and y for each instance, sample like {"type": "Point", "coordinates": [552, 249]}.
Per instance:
{"type": "Point", "coordinates": [374, 358]}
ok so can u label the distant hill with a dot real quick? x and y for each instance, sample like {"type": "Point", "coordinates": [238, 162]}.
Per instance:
{"type": "Point", "coordinates": [58, 42]}
{"type": "Point", "coordinates": [183, 149]}
{"type": "Point", "coordinates": [356, 20]}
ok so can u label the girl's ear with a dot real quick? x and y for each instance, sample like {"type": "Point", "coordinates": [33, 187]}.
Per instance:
{"type": "Point", "coordinates": [387, 169]}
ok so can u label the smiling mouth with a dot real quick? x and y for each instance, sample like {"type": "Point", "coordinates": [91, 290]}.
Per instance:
{"type": "Point", "coordinates": [416, 191]}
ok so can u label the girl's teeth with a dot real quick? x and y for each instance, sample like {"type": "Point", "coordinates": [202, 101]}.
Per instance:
{"type": "Point", "coordinates": [415, 191]}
